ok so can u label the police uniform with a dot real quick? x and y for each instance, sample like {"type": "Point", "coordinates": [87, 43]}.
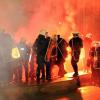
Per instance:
{"type": "Point", "coordinates": [24, 53]}
{"type": "Point", "coordinates": [61, 54]}
{"type": "Point", "coordinates": [40, 49]}
{"type": "Point", "coordinates": [76, 44]}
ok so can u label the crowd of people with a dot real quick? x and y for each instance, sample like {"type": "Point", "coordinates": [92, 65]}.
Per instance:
{"type": "Point", "coordinates": [44, 53]}
{"type": "Point", "coordinates": [50, 51]}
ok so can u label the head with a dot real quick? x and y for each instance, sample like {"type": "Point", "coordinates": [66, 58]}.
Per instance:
{"type": "Point", "coordinates": [95, 43]}
{"type": "Point", "coordinates": [43, 32]}
{"type": "Point", "coordinates": [75, 34]}
{"type": "Point", "coordinates": [89, 35]}
{"type": "Point", "coordinates": [58, 36]}
{"type": "Point", "coordinates": [54, 37]}
{"type": "Point", "coordinates": [54, 40]}
{"type": "Point", "coordinates": [46, 34]}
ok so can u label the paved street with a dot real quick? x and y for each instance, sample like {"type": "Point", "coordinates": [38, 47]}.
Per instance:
{"type": "Point", "coordinates": [61, 89]}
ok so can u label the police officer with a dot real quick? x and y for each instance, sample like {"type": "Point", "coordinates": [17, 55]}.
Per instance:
{"type": "Point", "coordinates": [50, 57]}
{"type": "Point", "coordinates": [6, 60]}
{"type": "Point", "coordinates": [87, 46]}
{"type": "Point", "coordinates": [61, 54]}
{"type": "Point", "coordinates": [47, 61]}
{"type": "Point", "coordinates": [40, 48]}
{"type": "Point", "coordinates": [76, 44]}
{"type": "Point", "coordinates": [24, 53]}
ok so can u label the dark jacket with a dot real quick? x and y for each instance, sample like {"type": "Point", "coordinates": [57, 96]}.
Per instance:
{"type": "Point", "coordinates": [40, 45]}
{"type": "Point", "coordinates": [61, 49]}
{"type": "Point", "coordinates": [76, 43]}
{"type": "Point", "coordinates": [24, 51]}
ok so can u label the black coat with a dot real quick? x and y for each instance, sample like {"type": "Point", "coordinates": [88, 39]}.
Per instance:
{"type": "Point", "coordinates": [24, 51]}
{"type": "Point", "coordinates": [40, 45]}
{"type": "Point", "coordinates": [76, 43]}
{"type": "Point", "coordinates": [61, 49]}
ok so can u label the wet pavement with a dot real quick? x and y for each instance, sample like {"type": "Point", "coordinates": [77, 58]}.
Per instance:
{"type": "Point", "coordinates": [61, 89]}
{"type": "Point", "coordinates": [25, 93]}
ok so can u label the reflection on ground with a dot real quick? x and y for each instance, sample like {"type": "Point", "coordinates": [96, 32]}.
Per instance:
{"type": "Point", "coordinates": [32, 92]}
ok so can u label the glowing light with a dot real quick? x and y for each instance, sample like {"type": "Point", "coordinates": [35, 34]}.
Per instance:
{"type": "Point", "coordinates": [67, 63]}
{"type": "Point", "coordinates": [54, 72]}
{"type": "Point", "coordinates": [82, 55]}
{"type": "Point", "coordinates": [22, 49]}
{"type": "Point", "coordinates": [68, 57]}
{"type": "Point", "coordinates": [70, 74]}
{"type": "Point", "coordinates": [68, 49]}
{"type": "Point", "coordinates": [15, 53]}
{"type": "Point", "coordinates": [63, 98]}
{"type": "Point", "coordinates": [70, 37]}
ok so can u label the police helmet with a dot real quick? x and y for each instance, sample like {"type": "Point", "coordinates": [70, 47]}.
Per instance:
{"type": "Point", "coordinates": [75, 34]}
{"type": "Point", "coordinates": [89, 35]}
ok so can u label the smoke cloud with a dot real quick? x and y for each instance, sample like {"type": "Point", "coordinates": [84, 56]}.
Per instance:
{"type": "Point", "coordinates": [25, 18]}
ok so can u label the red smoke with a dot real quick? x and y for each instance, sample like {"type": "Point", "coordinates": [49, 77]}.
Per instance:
{"type": "Point", "coordinates": [26, 18]}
